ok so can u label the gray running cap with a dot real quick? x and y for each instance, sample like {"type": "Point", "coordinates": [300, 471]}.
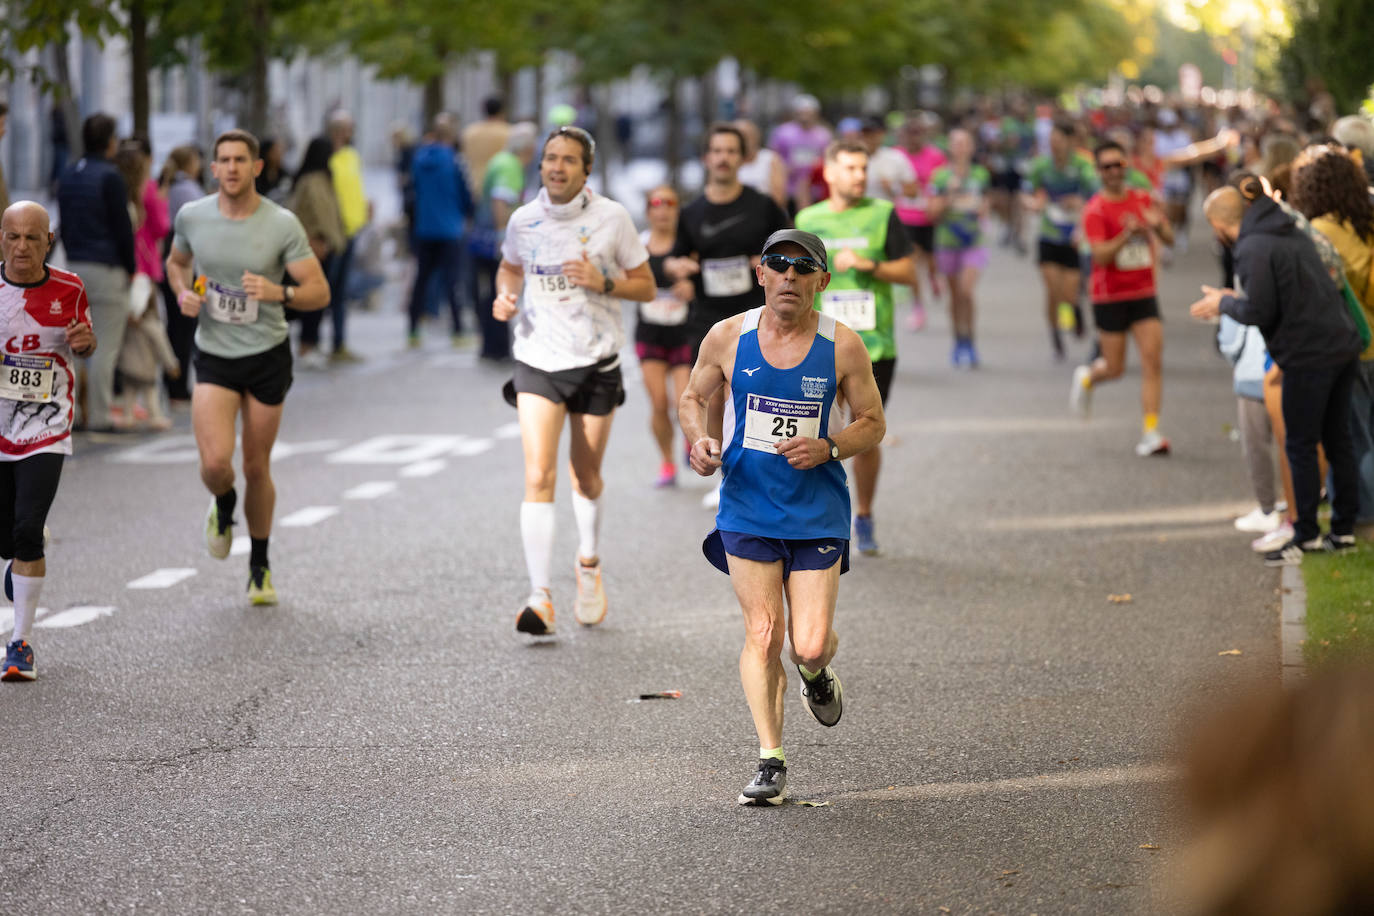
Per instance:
{"type": "Point", "coordinates": [812, 243]}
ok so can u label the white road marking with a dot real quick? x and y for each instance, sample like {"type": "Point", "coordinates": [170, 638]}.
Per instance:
{"type": "Point", "coordinates": [371, 490]}
{"type": "Point", "coordinates": [1002, 425]}
{"type": "Point", "coordinates": [1169, 515]}
{"type": "Point", "coordinates": [73, 616]}
{"type": "Point", "coordinates": [310, 515]}
{"type": "Point", "coordinates": [182, 450]}
{"type": "Point", "coordinates": [241, 546]}
{"type": "Point", "coordinates": [423, 468]}
{"type": "Point", "coordinates": [163, 578]}
{"type": "Point", "coordinates": [1073, 779]}
{"type": "Point", "coordinates": [509, 431]}
{"type": "Point", "coordinates": [469, 447]}
{"type": "Point", "coordinates": [396, 449]}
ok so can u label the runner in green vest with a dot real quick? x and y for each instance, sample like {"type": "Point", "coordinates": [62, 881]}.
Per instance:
{"type": "Point", "coordinates": [868, 250]}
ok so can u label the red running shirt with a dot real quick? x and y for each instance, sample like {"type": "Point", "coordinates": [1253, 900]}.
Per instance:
{"type": "Point", "coordinates": [1132, 274]}
{"type": "Point", "coordinates": [38, 372]}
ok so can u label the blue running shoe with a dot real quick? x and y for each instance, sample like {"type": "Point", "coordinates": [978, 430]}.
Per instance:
{"type": "Point", "coordinates": [956, 356]}
{"type": "Point", "coordinates": [971, 354]}
{"type": "Point", "coordinates": [863, 533]}
{"type": "Point", "coordinates": [9, 580]}
{"type": "Point", "coordinates": [18, 662]}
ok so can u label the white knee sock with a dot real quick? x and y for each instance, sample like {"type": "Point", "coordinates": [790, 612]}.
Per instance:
{"type": "Point", "coordinates": [26, 590]}
{"type": "Point", "coordinates": [588, 513]}
{"type": "Point", "coordinates": [536, 531]}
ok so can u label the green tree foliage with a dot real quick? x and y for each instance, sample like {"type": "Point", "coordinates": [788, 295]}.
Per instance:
{"type": "Point", "coordinates": [1330, 47]}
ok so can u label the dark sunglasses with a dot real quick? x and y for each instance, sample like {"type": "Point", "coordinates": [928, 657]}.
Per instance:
{"type": "Point", "coordinates": [1109, 166]}
{"type": "Point", "coordinates": [662, 202]}
{"type": "Point", "coordinates": [780, 262]}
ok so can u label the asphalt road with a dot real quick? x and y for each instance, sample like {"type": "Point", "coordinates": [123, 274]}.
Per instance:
{"type": "Point", "coordinates": [384, 741]}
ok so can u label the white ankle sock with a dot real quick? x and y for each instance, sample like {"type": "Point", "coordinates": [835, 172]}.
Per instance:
{"type": "Point", "coordinates": [537, 531]}
{"type": "Point", "coordinates": [26, 591]}
{"type": "Point", "coordinates": [588, 514]}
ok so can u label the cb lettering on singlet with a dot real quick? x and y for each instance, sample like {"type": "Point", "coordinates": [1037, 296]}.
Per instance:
{"type": "Point", "coordinates": [17, 344]}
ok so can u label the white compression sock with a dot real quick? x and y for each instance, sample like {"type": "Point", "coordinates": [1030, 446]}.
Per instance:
{"type": "Point", "coordinates": [26, 590]}
{"type": "Point", "coordinates": [588, 513]}
{"type": "Point", "coordinates": [536, 531]}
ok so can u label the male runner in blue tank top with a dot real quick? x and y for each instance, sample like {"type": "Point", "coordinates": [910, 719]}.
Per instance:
{"type": "Point", "coordinates": [782, 530]}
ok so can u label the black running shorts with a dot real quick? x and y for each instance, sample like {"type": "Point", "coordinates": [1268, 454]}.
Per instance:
{"type": "Point", "coordinates": [597, 389]}
{"type": "Point", "coordinates": [266, 375]}
{"type": "Point", "coordinates": [1117, 317]}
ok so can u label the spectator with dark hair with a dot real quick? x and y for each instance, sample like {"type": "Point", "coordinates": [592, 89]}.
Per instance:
{"type": "Point", "coordinates": [180, 181]}
{"type": "Point", "coordinates": [1329, 189]}
{"type": "Point", "coordinates": [483, 139]}
{"type": "Point", "coordinates": [313, 201]}
{"type": "Point", "coordinates": [99, 238]}
{"type": "Point", "coordinates": [272, 180]}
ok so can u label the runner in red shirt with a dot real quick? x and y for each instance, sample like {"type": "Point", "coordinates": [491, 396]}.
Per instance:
{"type": "Point", "coordinates": [1124, 226]}
{"type": "Point", "coordinates": [45, 323]}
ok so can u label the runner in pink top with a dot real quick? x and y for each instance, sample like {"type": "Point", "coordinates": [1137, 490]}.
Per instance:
{"type": "Point", "coordinates": [801, 143]}
{"type": "Point", "coordinates": [925, 158]}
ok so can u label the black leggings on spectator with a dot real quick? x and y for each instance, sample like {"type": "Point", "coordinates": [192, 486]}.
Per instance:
{"type": "Point", "coordinates": [1316, 409]}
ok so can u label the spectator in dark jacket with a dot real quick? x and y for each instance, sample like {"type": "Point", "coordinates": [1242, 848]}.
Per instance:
{"type": "Point", "coordinates": [442, 206]}
{"type": "Point", "coordinates": [99, 238]}
{"type": "Point", "coordinates": [1284, 290]}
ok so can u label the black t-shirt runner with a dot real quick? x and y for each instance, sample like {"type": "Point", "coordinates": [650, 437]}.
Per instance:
{"type": "Point", "coordinates": [725, 237]}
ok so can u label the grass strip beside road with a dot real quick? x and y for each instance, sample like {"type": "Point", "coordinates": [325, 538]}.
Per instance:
{"type": "Point", "coordinates": [1340, 605]}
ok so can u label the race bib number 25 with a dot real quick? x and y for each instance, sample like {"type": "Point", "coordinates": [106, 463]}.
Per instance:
{"type": "Point", "coordinates": [768, 421]}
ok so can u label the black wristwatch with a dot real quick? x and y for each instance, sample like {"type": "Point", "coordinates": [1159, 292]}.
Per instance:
{"type": "Point", "coordinates": [834, 449]}
{"type": "Point", "coordinates": [610, 285]}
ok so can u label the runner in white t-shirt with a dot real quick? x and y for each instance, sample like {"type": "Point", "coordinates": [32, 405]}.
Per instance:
{"type": "Point", "coordinates": [569, 257]}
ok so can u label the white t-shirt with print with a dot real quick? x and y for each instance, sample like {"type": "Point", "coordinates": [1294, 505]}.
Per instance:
{"type": "Point", "coordinates": [560, 326]}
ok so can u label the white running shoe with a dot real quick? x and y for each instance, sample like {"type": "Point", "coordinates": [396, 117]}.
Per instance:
{"type": "Point", "coordinates": [218, 539]}
{"type": "Point", "coordinates": [1273, 540]}
{"type": "Point", "coordinates": [1258, 521]}
{"type": "Point", "coordinates": [1081, 396]}
{"type": "Point", "coordinates": [591, 596]}
{"type": "Point", "coordinates": [1152, 443]}
{"type": "Point", "coordinates": [712, 499]}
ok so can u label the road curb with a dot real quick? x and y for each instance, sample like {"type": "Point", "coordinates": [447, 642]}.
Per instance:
{"type": "Point", "coordinates": [1292, 623]}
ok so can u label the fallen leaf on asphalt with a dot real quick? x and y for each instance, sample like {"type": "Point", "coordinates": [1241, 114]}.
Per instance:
{"type": "Point", "coordinates": [1120, 599]}
{"type": "Point", "coordinates": [890, 788]}
{"type": "Point", "coordinates": [1148, 846]}
{"type": "Point", "coordinates": [1012, 871]}
{"type": "Point", "coordinates": [1229, 652]}
{"type": "Point", "coordinates": [945, 909]}
{"type": "Point", "coordinates": [801, 803]}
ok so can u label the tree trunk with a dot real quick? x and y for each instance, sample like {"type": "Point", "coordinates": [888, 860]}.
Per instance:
{"type": "Point", "coordinates": [138, 64]}
{"type": "Point", "coordinates": [257, 116]}
{"type": "Point", "coordinates": [672, 155]}
{"type": "Point", "coordinates": [605, 133]}
{"type": "Point", "coordinates": [434, 98]}
{"type": "Point", "coordinates": [539, 121]}
{"type": "Point", "coordinates": [71, 115]}
{"type": "Point", "coordinates": [507, 79]}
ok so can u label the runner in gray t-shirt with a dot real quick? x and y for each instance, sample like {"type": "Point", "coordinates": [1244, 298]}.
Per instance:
{"type": "Point", "coordinates": [229, 251]}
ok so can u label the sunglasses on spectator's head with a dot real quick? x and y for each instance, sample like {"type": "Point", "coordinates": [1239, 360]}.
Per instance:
{"type": "Point", "coordinates": [1107, 166]}
{"type": "Point", "coordinates": [780, 262]}
{"type": "Point", "coordinates": [662, 202]}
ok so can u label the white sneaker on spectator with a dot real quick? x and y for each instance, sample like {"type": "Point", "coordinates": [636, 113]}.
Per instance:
{"type": "Point", "coordinates": [1273, 540]}
{"type": "Point", "coordinates": [1258, 521]}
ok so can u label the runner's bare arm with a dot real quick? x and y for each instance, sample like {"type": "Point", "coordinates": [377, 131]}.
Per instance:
{"type": "Point", "coordinates": [708, 375]}
{"type": "Point", "coordinates": [179, 278]}
{"type": "Point", "coordinates": [312, 289]}
{"type": "Point", "coordinates": [510, 280]}
{"type": "Point", "coordinates": [902, 270]}
{"type": "Point", "coordinates": [855, 370]}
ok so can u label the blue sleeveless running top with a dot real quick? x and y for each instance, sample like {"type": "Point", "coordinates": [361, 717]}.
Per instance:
{"type": "Point", "coordinates": [762, 494]}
